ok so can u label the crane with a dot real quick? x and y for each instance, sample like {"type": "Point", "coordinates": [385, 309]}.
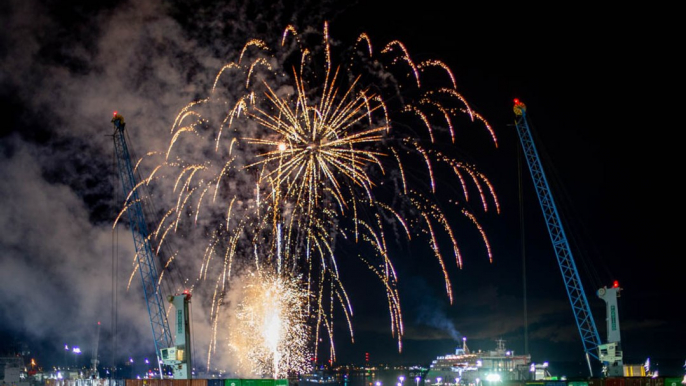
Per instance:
{"type": "Point", "coordinates": [93, 372]}
{"type": "Point", "coordinates": [609, 354]}
{"type": "Point", "coordinates": [177, 356]}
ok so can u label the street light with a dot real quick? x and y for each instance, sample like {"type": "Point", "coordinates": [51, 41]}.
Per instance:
{"type": "Point", "coordinates": [438, 380]}
{"type": "Point", "coordinates": [76, 351]}
{"type": "Point", "coordinates": [417, 380]}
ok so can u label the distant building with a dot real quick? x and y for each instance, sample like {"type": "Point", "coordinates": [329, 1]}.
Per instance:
{"type": "Point", "coordinates": [13, 372]}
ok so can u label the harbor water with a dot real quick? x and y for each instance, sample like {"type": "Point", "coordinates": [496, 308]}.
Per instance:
{"type": "Point", "coordinates": [371, 378]}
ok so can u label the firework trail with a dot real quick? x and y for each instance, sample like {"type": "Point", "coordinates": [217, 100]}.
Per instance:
{"type": "Point", "coordinates": [291, 155]}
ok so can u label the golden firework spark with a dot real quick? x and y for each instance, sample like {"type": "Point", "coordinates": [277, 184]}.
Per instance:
{"type": "Point", "coordinates": [300, 160]}
{"type": "Point", "coordinates": [269, 333]}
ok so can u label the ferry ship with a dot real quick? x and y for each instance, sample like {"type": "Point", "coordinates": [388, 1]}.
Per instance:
{"type": "Point", "coordinates": [319, 377]}
{"type": "Point", "coordinates": [468, 368]}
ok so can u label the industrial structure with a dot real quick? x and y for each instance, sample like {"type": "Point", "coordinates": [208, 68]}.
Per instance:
{"type": "Point", "coordinates": [608, 354]}
{"type": "Point", "coordinates": [93, 372]}
{"type": "Point", "coordinates": [171, 353]}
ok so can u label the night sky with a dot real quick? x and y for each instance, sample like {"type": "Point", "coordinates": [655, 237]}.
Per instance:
{"type": "Point", "coordinates": [596, 87]}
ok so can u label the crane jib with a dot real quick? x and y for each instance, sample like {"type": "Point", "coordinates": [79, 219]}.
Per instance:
{"type": "Point", "coordinates": [161, 332]}
{"type": "Point", "coordinates": [609, 354]}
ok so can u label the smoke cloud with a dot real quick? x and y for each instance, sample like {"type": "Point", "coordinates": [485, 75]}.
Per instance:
{"type": "Point", "coordinates": [64, 70]}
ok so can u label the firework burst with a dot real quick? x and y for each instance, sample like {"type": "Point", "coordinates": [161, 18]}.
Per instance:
{"type": "Point", "coordinates": [291, 154]}
{"type": "Point", "coordinates": [269, 334]}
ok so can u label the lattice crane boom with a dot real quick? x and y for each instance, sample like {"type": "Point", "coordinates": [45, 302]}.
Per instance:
{"type": "Point", "coordinates": [577, 297]}
{"type": "Point", "coordinates": [144, 253]}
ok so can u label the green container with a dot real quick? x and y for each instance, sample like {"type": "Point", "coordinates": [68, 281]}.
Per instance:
{"type": "Point", "coordinates": [555, 383]}
{"type": "Point", "coordinates": [232, 382]}
{"type": "Point", "coordinates": [265, 382]}
{"type": "Point", "coordinates": [249, 382]}
{"type": "Point", "coordinates": [577, 383]}
{"type": "Point", "coordinates": [257, 382]}
{"type": "Point", "coordinates": [281, 382]}
{"type": "Point", "coordinates": [671, 381]}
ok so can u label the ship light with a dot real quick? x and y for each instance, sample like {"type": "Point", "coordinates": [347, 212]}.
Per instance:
{"type": "Point", "coordinates": [493, 378]}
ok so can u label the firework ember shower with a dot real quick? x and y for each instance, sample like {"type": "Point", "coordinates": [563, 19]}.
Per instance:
{"type": "Point", "coordinates": [307, 154]}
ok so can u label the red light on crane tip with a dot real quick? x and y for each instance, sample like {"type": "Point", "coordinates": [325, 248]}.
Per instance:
{"type": "Point", "coordinates": [615, 284]}
{"type": "Point", "coordinates": [516, 101]}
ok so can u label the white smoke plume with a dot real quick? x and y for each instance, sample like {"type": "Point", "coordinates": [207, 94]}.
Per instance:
{"type": "Point", "coordinates": [65, 69]}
